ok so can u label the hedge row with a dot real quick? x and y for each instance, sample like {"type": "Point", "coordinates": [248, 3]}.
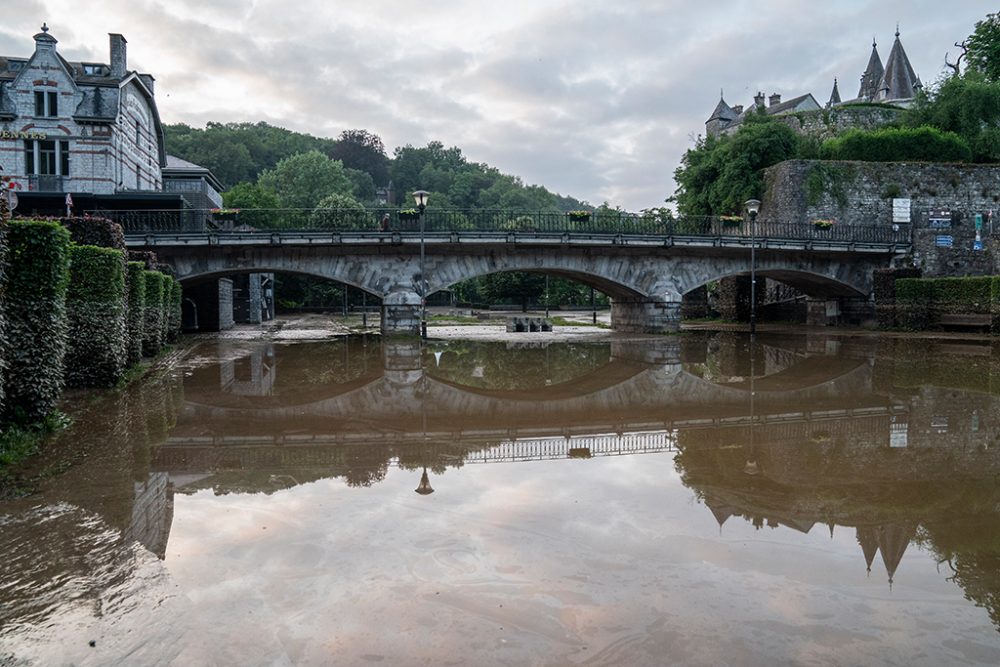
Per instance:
{"type": "Point", "coordinates": [99, 232]}
{"type": "Point", "coordinates": [153, 320]}
{"type": "Point", "coordinates": [95, 306]}
{"type": "Point", "coordinates": [176, 297]}
{"type": "Point", "coordinates": [38, 276]}
{"type": "Point", "coordinates": [4, 214]}
{"type": "Point", "coordinates": [897, 144]}
{"type": "Point", "coordinates": [136, 312]}
{"type": "Point", "coordinates": [921, 301]}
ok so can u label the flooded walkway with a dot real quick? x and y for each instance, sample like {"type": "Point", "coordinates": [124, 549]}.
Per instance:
{"type": "Point", "coordinates": [693, 500]}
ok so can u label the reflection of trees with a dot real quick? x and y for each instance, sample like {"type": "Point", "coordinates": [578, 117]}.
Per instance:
{"type": "Point", "coordinates": [498, 367]}
{"type": "Point", "coordinates": [334, 362]}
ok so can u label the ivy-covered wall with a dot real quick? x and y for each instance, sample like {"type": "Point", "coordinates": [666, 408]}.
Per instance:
{"type": "Point", "coordinates": [95, 307]}
{"type": "Point", "coordinates": [136, 315]}
{"type": "Point", "coordinates": [176, 296]}
{"type": "Point", "coordinates": [921, 302]}
{"type": "Point", "coordinates": [38, 276]}
{"type": "Point", "coordinates": [152, 334]}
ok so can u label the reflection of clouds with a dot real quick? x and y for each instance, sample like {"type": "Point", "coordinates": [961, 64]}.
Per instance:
{"type": "Point", "coordinates": [590, 99]}
{"type": "Point", "coordinates": [608, 560]}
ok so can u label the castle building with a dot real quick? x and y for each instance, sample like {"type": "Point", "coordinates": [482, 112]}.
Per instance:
{"type": "Point", "coordinates": [894, 83]}
{"type": "Point", "coordinates": [87, 129]}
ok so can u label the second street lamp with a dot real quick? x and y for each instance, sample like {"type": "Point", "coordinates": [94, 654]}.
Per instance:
{"type": "Point", "coordinates": [753, 208]}
{"type": "Point", "coordinates": [420, 196]}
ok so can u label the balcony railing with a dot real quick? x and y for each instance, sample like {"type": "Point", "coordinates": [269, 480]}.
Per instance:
{"type": "Point", "coordinates": [249, 221]}
{"type": "Point", "coordinates": [46, 183]}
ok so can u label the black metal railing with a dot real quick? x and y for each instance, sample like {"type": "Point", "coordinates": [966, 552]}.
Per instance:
{"type": "Point", "coordinates": [136, 222]}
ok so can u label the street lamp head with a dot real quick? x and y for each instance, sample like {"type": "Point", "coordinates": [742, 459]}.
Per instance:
{"type": "Point", "coordinates": [753, 206]}
{"type": "Point", "coordinates": [420, 196]}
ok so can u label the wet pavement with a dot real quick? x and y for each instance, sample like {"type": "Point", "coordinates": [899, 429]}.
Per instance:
{"type": "Point", "coordinates": [691, 500]}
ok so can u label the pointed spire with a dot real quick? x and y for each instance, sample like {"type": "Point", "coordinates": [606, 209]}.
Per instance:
{"type": "Point", "coordinates": [893, 541]}
{"type": "Point", "coordinates": [869, 544]}
{"type": "Point", "coordinates": [834, 95]}
{"type": "Point", "coordinates": [722, 112]}
{"type": "Point", "coordinates": [899, 81]}
{"type": "Point", "coordinates": [872, 76]}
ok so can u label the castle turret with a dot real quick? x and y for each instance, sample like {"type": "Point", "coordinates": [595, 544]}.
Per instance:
{"type": "Point", "coordinates": [899, 81]}
{"type": "Point", "coordinates": [720, 118]}
{"type": "Point", "coordinates": [834, 95]}
{"type": "Point", "coordinates": [872, 78]}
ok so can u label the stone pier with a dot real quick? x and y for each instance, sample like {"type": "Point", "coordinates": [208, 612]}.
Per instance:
{"type": "Point", "coordinates": [643, 315]}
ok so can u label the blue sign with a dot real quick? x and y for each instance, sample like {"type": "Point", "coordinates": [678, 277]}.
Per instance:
{"type": "Point", "coordinates": [944, 241]}
{"type": "Point", "coordinates": [977, 245]}
{"type": "Point", "coordinates": [939, 223]}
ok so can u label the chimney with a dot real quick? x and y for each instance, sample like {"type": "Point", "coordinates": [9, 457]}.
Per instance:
{"type": "Point", "coordinates": [119, 61]}
{"type": "Point", "coordinates": [774, 99]}
{"type": "Point", "coordinates": [149, 82]}
{"type": "Point", "coordinates": [737, 109]}
{"type": "Point", "coordinates": [758, 100]}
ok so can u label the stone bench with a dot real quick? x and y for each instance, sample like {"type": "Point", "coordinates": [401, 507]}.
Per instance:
{"type": "Point", "coordinates": [526, 323]}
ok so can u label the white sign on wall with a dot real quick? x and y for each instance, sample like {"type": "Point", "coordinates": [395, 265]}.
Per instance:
{"type": "Point", "coordinates": [901, 211]}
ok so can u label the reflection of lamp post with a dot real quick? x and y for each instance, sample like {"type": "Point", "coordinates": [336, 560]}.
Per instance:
{"type": "Point", "coordinates": [753, 208]}
{"type": "Point", "coordinates": [424, 488]}
{"type": "Point", "coordinates": [420, 196]}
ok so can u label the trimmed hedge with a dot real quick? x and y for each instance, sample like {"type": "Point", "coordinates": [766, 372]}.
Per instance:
{"type": "Point", "coordinates": [176, 296]}
{"type": "Point", "coordinates": [99, 232]}
{"type": "Point", "coordinates": [897, 144]}
{"type": "Point", "coordinates": [147, 257]}
{"type": "Point", "coordinates": [36, 310]}
{"type": "Point", "coordinates": [95, 307]}
{"type": "Point", "coordinates": [152, 334]}
{"type": "Point", "coordinates": [921, 301]}
{"type": "Point", "coordinates": [3, 287]}
{"type": "Point", "coordinates": [136, 313]}
{"type": "Point", "coordinates": [995, 304]}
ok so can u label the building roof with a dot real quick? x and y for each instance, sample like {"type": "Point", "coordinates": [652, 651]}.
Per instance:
{"type": "Point", "coordinates": [898, 81]}
{"type": "Point", "coordinates": [722, 111]}
{"type": "Point", "coordinates": [99, 104]}
{"type": "Point", "coordinates": [872, 76]}
{"type": "Point", "coordinates": [176, 167]}
{"type": "Point", "coordinates": [834, 95]}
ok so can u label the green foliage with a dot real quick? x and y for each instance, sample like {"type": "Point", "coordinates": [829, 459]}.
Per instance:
{"type": "Point", "coordinates": [3, 288]}
{"type": "Point", "coordinates": [525, 288]}
{"type": "Point", "coordinates": [720, 173]}
{"type": "Point", "coordinates": [969, 106]}
{"type": "Point", "coordinates": [828, 179]}
{"type": "Point", "coordinates": [894, 144]}
{"type": "Point", "coordinates": [153, 326]}
{"type": "Point", "coordinates": [136, 312]}
{"type": "Point", "coordinates": [342, 212]}
{"type": "Point", "coordinates": [920, 300]}
{"type": "Point", "coordinates": [38, 275]}
{"type": "Point", "coordinates": [983, 48]}
{"type": "Point", "coordinates": [914, 297]}
{"type": "Point", "coordinates": [962, 295]}
{"type": "Point", "coordinates": [18, 442]}
{"type": "Point", "coordinates": [174, 310]}
{"type": "Point", "coordinates": [362, 151]}
{"type": "Point", "coordinates": [302, 180]}
{"type": "Point", "coordinates": [95, 307]}
{"type": "Point", "coordinates": [99, 232]}
{"type": "Point", "coordinates": [250, 195]}
{"type": "Point", "coordinates": [239, 152]}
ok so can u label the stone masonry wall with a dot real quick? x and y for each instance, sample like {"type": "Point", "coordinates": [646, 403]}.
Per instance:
{"type": "Point", "coordinates": [828, 123]}
{"type": "Point", "coordinates": [862, 193]}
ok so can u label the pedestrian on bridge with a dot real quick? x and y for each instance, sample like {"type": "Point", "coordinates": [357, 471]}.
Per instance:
{"type": "Point", "coordinates": [384, 224]}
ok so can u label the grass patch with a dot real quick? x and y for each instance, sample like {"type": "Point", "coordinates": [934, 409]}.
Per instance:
{"type": "Point", "coordinates": [19, 442]}
{"type": "Point", "coordinates": [455, 319]}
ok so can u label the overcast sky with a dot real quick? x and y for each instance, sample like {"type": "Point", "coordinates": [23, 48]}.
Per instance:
{"type": "Point", "coordinates": [597, 100]}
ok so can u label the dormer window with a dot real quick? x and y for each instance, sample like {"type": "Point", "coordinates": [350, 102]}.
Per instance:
{"type": "Point", "coordinates": [93, 70]}
{"type": "Point", "coordinates": [46, 104]}
{"type": "Point", "coordinates": [15, 65]}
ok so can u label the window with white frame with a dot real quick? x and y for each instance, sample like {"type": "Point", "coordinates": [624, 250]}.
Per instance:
{"type": "Point", "coordinates": [46, 103]}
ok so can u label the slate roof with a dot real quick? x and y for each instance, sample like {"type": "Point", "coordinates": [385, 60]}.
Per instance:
{"type": "Point", "coordinates": [834, 95]}
{"type": "Point", "coordinates": [98, 104]}
{"type": "Point", "coordinates": [722, 112]}
{"type": "Point", "coordinates": [872, 77]}
{"type": "Point", "coordinates": [176, 166]}
{"type": "Point", "coordinates": [899, 81]}
{"type": "Point", "coordinates": [7, 109]}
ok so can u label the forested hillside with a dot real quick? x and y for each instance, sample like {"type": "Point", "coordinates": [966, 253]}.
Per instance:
{"type": "Point", "coordinates": [266, 166]}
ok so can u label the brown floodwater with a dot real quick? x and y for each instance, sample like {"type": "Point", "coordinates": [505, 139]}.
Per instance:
{"type": "Point", "coordinates": [694, 500]}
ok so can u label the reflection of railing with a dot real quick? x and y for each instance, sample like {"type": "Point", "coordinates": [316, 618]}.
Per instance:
{"type": "Point", "coordinates": [540, 449]}
{"type": "Point", "coordinates": [439, 220]}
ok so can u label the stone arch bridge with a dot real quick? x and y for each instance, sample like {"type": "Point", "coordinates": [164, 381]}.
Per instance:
{"type": "Point", "coordinates": [646, 275]}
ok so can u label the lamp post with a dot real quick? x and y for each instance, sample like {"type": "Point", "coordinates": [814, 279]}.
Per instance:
{"type": "Point", "coordinates": [753, 208]}
{"type": "Point", "coordinates": [420, 196]}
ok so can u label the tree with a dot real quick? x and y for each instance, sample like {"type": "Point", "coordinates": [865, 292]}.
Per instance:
{"type": "Point", "coordinates": [302, 180]}
{"type": "Point", "coordinates": [720, 173]}
{"type": "Point", "coordinates": [250, 195]}
{"type": "Point", "coordinates": [982, 52]}
{"type": "Point", "coordinates": [364, 151]}
{"type": "Point", "coordinates": [342, 212]}
{"type": "Point", "coordinates": [969, 106]}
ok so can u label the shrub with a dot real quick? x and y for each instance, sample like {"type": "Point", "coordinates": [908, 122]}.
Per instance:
{"type": "Point", "coordinates": [995, 304]}
{"type": "Point", "coordinates": [3, 287]}
{"type": "Point", "coordinates": [147, 257]}
{"type": "Point", "coordinates": [962, 295]}
{"type": "Point", "coordinates": [152, 333]}
{"type": "Point", "coordinates": [95, 309]}
{"type": "Point", "coordinates": [174, 309]}
{"type": "Point", "coordinates": [136, 312]}
{"type": "Point", "coordinates": [38, 275]}
{"type": "Point", "coordinates": [895, 144]}
{"type": "Point", "coordinates": [913, 303]}
{"type": "Point", "coordinates": [99, 232]}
